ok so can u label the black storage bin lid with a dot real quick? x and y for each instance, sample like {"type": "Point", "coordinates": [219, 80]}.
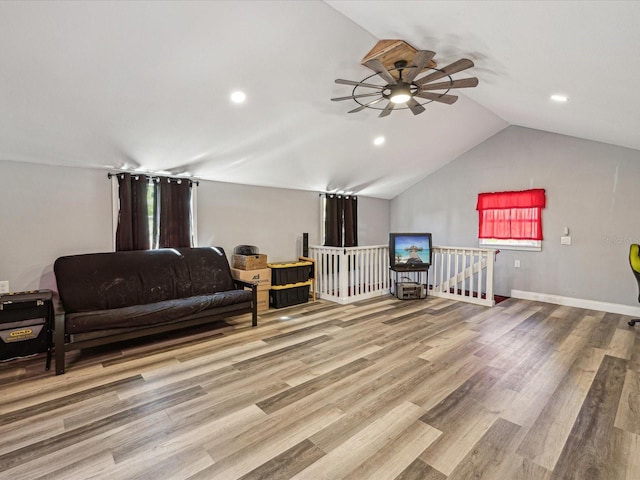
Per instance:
{"type": "Point", "coordinates": [246, 250]}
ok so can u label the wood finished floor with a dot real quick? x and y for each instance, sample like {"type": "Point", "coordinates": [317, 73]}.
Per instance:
{"type": "Point", "coordinates": [383, 389]}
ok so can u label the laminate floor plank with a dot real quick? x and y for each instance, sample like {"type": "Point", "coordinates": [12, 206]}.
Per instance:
{"type": "Point", "coordinates": [585, 453]}
{"type": "Point", "coordinates": [376, 390]}
{"type": "Point", "coordinates": [444, 378]}
{"type": "Point", "coordinates": [96, 466]}
{"type": "Point", "coordinates": [446, 412]}
{"type": "Point", "coordinates": [93, 429]}
{"type": "Point", "coordinates": [252, 449]}
{"type": "Point", "coordinates": [368, 405]}
{"type": "Point", "coordinates": [381, 432]}
{"type": "Point", "coordinates": [622, 343]}
{"type": "Point", "coordinates": [624, 460]}
{"type": "Point", "coordinates": [418, 470]}
{"type": "Point", "coordinates": [394, 458]}
{"type": "Point", "coordinates": [628, 414]}
{"type": "Point", "coordinates": [634, 361]}
{"type": "Point", "coordinates": [175, 438]}
{"type": "Point", "coordinates": [531, 400]}
{"type": "Point", "coordinates": [175, 466]}
{"type": "Point", "coordinates": [313, 369]}
{"type": "Point", "coordinates": [458, 439]}
{"type": "Point", "coordinates": [488, 454]}
{"type": "Point", "coordinates": [546, 438]}
{"type": "Point", "coordinates": [287, 464]}
{"type": "Point", "coordinates": [602, 335]}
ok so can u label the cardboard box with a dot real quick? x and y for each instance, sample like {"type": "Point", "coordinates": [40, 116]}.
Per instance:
{"type": "Point", "coordinates": [263, 300]}
{"type": "Point", "coordinates": [249, 262]}
{"type": "Point", "coordinates": [262, 277]}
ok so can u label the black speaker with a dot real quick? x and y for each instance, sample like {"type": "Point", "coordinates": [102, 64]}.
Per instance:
{"type": "Point", "coordinates": [305, 244]}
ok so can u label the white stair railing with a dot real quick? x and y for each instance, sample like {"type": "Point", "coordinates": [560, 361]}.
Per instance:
{"type": "Point", "coordinates": [464, 274]}
{"type": "Point", "coordinates": [349, 274]}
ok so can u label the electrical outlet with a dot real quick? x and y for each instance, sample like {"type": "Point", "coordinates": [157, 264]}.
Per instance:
{"type": "Point", "coordinates": [565, 240]}
{"type": "Point", "coordinates": [4, 286]}
{"type": "Point", "coordinates": [517, 264]}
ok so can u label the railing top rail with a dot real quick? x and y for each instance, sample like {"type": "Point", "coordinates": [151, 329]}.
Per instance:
{"type": "Point", "coordinates": [435, 247]}
{"type": "Point", "coordinates": [349, 248]}
{"type": "Point", "coordinates": [476, 249]}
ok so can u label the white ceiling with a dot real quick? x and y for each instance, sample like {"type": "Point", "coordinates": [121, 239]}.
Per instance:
{"type": "Point", "coordinates": [146, 85]}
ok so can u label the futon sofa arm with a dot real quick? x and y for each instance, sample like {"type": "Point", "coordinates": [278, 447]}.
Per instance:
{"type": "Point", "coordinates": [241, 284]}
{"type": "Point", "coordinates": [59, 335]}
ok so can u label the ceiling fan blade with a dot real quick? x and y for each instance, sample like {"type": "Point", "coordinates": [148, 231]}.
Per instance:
{"type": "Point", "coordinates": [437, 97]}
{"type": "Point", "coordinates": [462, 83]}
{"type": "Point", "coordinates": [377, 66]}
{"type": "Point", "coordinates": [351, 97]}
{"type": "Point", "coordinates": [420, 60]}
{"type": "Point", "coordinates": [387, 110]}
{"type": "Point", "coordinates": [358, 84]}
{"type": "Point", "coordinates": [452, 68]}
{"type": "Point", "coordinates": [414, 106]}
{"type": "Point", "coordinates": [362, 107]}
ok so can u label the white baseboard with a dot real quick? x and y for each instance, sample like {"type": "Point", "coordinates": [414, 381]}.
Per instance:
{"type": "Point", "coordinates": [578, 302]}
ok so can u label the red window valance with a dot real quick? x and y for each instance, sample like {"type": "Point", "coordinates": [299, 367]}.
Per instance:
{"type": "Point", "coordinates": [511, 215]}
{"type": "Point", "coordinates": [522, 199]}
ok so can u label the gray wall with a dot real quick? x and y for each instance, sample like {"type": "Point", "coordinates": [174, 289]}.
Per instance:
{"type": "Point", "coordinates": [274, 219]}
{"type": "Point", "coordinates": [592, 188]}
{"type": "Point", "coordinates": [47, 212]}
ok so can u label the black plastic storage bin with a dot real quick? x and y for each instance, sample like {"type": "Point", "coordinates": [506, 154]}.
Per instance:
{"type": "Point", "coordinates": [290, 272]}
{"type": "Point", "coordinates": [291, 295]}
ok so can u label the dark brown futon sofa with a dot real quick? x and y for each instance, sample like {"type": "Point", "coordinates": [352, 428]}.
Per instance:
{"type": "Point", "coordinates": [108, 297]}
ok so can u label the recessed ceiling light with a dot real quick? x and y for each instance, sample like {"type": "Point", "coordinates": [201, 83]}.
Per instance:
{"type": "Point", "coordinates": [559, 98]}
{"type": "Point", "coordinates": [378, 141]}
{"type": "Point", "coordinates": [238, 97]}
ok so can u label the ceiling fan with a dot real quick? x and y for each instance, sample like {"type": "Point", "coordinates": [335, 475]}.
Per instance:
{"type": "Point", "coordinates": [403, 87]}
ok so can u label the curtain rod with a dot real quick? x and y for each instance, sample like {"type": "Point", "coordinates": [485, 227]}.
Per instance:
{"type": "Point", "coordinates": [155, 177]}
{"type": "Point", "coordinates": [338, 194]}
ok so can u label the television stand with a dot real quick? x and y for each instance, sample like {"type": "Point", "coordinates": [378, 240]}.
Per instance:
{"type": "Point", "coordinates": [409, 284]}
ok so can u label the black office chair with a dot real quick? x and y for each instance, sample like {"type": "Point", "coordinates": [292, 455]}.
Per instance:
{"type": "Point", "coordinates": [634, 261]}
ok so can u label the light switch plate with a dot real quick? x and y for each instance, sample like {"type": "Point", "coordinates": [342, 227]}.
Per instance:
{"type": "Point", "coordinates": [565, 240]}
{"type": "Point", "coordinates": [4, 286]}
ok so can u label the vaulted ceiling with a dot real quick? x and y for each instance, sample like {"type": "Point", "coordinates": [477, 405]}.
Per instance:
{"type": "Point", "coordinates": [146, 85]}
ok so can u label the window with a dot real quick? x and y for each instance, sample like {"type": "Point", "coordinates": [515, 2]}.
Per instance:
{"type": "Point", "coordinates": [511, 220]}
{"type": "Point", "coordinates": [153, 212]}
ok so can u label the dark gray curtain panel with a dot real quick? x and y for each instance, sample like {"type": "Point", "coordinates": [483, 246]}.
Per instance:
{"type": "Point", "coordinates": [133, 218]}
{"type": "Point", "coordinates": [350, 209]}
{"type": "Point", "coordinates": [341, 221]}
{"type": "Point", "coordinates": [175, 213]}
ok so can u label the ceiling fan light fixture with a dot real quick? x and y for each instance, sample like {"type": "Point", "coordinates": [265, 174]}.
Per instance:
{"type": "Point", "coordinates": [400, 98]}
{"type": "Point", "coordinates": [400, 94]}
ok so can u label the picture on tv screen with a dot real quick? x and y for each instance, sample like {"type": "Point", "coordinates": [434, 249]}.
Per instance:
{"type": "Point", "coordinates": [410, 249]}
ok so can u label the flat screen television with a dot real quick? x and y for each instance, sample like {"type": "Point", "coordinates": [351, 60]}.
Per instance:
{"type": "Point", "coordinates": [409, 251]}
